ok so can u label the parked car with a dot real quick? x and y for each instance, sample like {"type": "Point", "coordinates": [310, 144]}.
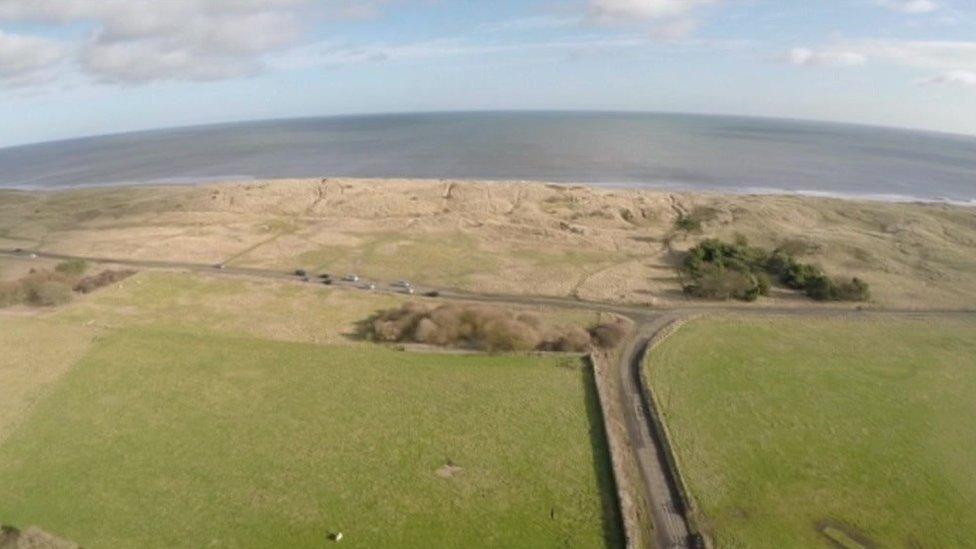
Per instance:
{"type": "Point", "coordinates": [301, 272]}
{"type": "Point", "coordinates": [369, 286]}
{"type": "Point", "coordinates": [351, 278]}
{"type": "Point", "coordinates": [432, 293]}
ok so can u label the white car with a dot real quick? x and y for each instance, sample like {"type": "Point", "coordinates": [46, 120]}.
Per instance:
{"type": "Point", "coordinates": [369, 286]}
{"type": "Point", "coordinates": [351, 278]}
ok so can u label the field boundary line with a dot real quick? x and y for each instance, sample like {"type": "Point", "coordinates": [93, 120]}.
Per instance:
{"type": "Point", "coordinates": [628, 497]}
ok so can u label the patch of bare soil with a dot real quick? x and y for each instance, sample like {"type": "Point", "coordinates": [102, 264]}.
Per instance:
{"type": "Point", "coordinates": [32, 538]}
{"type": "Point", "coordinates": [843, 536]}
{"type": "Point", "coordinates": [448, 470]}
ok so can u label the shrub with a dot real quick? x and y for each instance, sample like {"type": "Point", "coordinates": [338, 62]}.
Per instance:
{"type": "Point", "coordinates": [609, 334]}
{"type": "Point", "coordinates": [823, 288]}
{"type": "Point", "coordinates": [72, 267]}
{"type": "Point", "coordinates": [715, 282]}
{"type": "Point", "coordinates": [485, 328]}
{"type": "Point", "coordinates": [720, 270]}
{"type": "Point", "coordinates": [854, 290]}
{"type": "Point", "coordinates": [47, 293]}
{"type": "Point", "coordinates": [104, 278]}
{"type": "Point", "coordinates": [687, 224]}
{"type": "Point", "coordinates": [572, 340]}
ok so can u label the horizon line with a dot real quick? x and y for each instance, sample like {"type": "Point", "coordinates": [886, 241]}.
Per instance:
{"type": "Point", "coordinates": [161, 129]}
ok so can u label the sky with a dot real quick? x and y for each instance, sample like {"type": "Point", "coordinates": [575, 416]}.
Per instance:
{"type": "Point", "coordinates": [71, 68]}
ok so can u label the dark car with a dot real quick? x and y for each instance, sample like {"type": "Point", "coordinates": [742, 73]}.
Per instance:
{"type": "Point", "coordinates": [301, 272]}
{"type": "Point", "coordinates": [432, 293]}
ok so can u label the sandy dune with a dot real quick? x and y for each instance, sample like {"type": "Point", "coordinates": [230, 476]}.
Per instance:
{"type": "Point", "coordinates": [515, 237]}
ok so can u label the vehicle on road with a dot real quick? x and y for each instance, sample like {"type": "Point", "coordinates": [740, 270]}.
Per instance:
{"type": "Point", "coordinates": [351, 278]}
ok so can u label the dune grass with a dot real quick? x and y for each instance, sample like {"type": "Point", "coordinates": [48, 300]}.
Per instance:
{"type": "Point", "coordinates": [162, 439]}
{"type": "Point", "coordinates": [789, 431]}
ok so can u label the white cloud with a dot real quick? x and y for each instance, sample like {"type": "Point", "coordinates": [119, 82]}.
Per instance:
{"type": "Point", "coordinates": [954, 61]}
{"type": "Point", "coordinates": [669, 20]}
{"type": "Point", "coordinates": [28, 59]}
{"type": "Point", "coordinates": [538, 22]}
{"type": "Point", "coordinates": [963, 78]}
{"type": "Point", "coordinates": [922, 54]}
{"type": "Point", "coordinates": [331, 54]}
{"type": "Point", "coordinates": [613, 11]}
{"type": "Point", "coordinates": [913, 7]}
{"type": "Point", "coordinates": [146, 40]}
{"type": "Point", "coordinates": [810, 58]}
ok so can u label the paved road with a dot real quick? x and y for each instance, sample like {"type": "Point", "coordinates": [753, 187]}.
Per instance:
{"type": "Point", "coordinates": [646, 437]}
{"type": "Point", "coordinates": [671, 528]}
{"type": "Point", "coordinates": [638, 313]}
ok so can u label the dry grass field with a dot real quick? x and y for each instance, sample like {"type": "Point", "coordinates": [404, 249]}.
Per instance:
{"type": "Point", "coordinates": [35, 354]}
{"type": "Point", "coordinates": [605, 244]}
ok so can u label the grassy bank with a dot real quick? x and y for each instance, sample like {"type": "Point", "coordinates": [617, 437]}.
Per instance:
{"type": "Point", "coordinates": [161, 439]}
{"type": "Point", "coordinates": [789, 428]}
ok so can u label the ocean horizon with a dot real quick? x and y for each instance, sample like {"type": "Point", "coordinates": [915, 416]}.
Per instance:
{"type": "Point", "coordinates": [680, 152]}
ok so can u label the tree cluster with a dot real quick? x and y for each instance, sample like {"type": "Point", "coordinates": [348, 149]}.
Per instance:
{"type": "Point", "coordinates": [721, 270]}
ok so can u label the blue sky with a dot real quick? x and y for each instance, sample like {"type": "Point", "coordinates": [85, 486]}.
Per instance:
{"type": "Point", "coordinates": [80, 67]}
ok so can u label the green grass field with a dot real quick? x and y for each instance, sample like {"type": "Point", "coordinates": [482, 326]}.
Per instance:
{"type": "Point", "coordinates": [157, 438]}
{"type": "Point", "coordinates": [785, 427]}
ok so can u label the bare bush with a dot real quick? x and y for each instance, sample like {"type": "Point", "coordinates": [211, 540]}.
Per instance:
{"type": "Point", "coordinates": [44, 288]}
{"type": "Point", "coordinates": [48, 293]}
{"type": "Point", "coordinates": [609, 334]}
{"type": "Point", "coordinates": [485, 328]}
{"type": "Point", "coordinates": [104, 278]}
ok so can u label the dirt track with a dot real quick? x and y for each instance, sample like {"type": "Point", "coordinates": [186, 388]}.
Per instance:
{"type": "Point", "coordinates": [646, 433]}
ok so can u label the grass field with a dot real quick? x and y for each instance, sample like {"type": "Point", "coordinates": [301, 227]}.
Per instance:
{"type": "Point", "coordinates": [35, 354]}
{"type": "Point", "coordinates": [161, 439]}
{"type": "Point", "coordinates": [786, 427]}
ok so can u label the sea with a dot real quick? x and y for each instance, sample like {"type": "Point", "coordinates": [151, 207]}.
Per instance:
{"type": "Point", "coordinates": [645, 150]}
